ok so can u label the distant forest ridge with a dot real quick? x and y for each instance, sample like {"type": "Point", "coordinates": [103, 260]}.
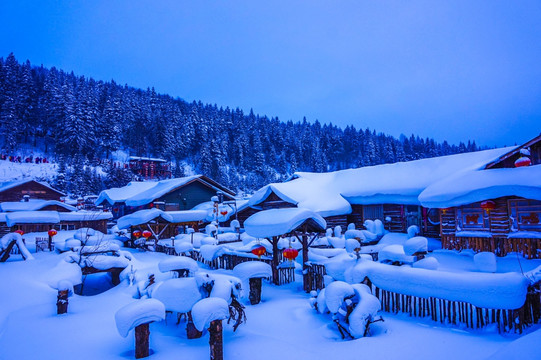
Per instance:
{"type": "Point", "coordinates": [80, 119]}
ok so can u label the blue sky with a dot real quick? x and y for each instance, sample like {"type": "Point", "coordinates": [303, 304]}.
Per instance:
{"type": "Point", "coordinates": [453, 70]}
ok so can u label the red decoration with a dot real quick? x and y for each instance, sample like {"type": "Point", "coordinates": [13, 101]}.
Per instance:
{"type": "Point", "coordinates": [147, 234]}
{"type": "Point", "coordinates": [136, 234]}
{"type": "Point", "coordinates": [258, 251]}
{"type": "Point", "coordinates": [444, 211]}
{"type": "Point", "coordinates": [52, 232]}
{"type": "Point", "coordinates": [291, 253]}
{"type": "Point", "coordinates": [523, 161]}
{"type": "Point", "coordinates": [223, 212]}
{"type": "Point", "coordinates": [20, 232]}
{"type": "Point", "coordinates": [488, 205]}
{"type": "Point", "coordinates": [151, 205]}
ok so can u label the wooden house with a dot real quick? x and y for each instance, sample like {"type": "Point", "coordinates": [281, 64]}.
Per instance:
{"type": "Point", "coordinates": [495, 208]}
{"type": "Point", "coordinates": [150, 168]}
{"type": "Point", "coordinates": [17, 190]}
{"type": "Point", "coordinates": [168, 195]}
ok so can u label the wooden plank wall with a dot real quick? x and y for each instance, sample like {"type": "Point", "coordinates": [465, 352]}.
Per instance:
{"type": "Point", "coordinates": [396, 213]}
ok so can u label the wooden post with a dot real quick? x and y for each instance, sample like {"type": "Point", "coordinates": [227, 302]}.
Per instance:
{"type": "Point", "coordinates": [306, 281]}
{"type": "Point", "coordinates": [142, 333]}
{"type": "Point", "coordinates": [216, 340]}
{"type": "Point", "coordinates": [62, 302]}
{"type": "Point", "coordinates": [275, 276]}
{"type": "Point", "coordinates": [255, 291]}
{"type": "Point", "coordinates": [191, 330]}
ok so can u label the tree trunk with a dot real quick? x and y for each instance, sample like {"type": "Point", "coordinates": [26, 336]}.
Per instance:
{"type": "Point", "coordinates": [216, 340]}
{"type": "Point", "coordinates": [255, 291]}
{"type": "Point", "coordinates": [141, 341]}
{"type": "Point", "coordinates": [275, 276]}
{"type": "Point", "coordinates": [62, 302]}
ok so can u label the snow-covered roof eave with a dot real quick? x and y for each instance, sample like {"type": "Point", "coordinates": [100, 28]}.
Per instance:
{"type": "Point", "coordinates": [473, 186]}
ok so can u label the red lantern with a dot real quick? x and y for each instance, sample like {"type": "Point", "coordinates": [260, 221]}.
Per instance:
{"type": "Point", "coordinates": [291, 254]}
{"type": "Point", "coordinates": [52, 232]}
{"type": "Point", "coordinates": [136, 234]}
{"type": "Point", "coordinates": [258, 251]}
{"type": "Point", "coordinates": [444, 211]}
{"type": "Point", "coordinates": [488, 205]}
{"type": "Point", "coordinates": [523, 161]}
{"type": "Point", "coordinates": [20, 232]}
{"type": "Point", "coordinates": [147, 234]}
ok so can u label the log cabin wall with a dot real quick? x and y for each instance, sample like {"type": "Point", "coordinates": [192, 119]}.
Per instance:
{"type": "Point", "coordinates": [32, 188]}
{"type": "Point", "coordinates": [356, 216]}
{"type": "Point", "coordinates": [339, 220]}
{"type": "Point", "coordinates": [497, 222]}
{"type": "Point", "coordinates": [396, 213]}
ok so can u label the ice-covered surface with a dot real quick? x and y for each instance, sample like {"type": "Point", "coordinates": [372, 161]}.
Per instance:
{"type": "Point", "coordinates": [33, 205]}
{"type": "Point", "coordinates": [32, 217]}
{"type": "Point", "coordinates": [139, 312]}
{"type": "Point", "coordinates": [485, 262]}
{"type": "Point", "coordinates": [493, 291]}
{"type": "Point", "coordinates": [275, 222]}
{"type": "Point", "coordinates": [178, 263]}
{"type": "Point", "coordinates": [178, 295]}
{"type": "Point", "coordinates": [207, 310]}
{"type": "Point", "coordinates": [471, 186]}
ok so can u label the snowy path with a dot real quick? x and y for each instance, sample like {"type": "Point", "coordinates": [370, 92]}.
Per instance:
{"type": "Point", "coordinates": [283, 326]}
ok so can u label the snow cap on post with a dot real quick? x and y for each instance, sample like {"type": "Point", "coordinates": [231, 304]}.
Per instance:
{"type": "Point", "coordinates": [178, 263]}
{"type": "Point", "coordinates": [137, 313]}
{"type": "Point", "coordinates": [208, 310]}
{"type": "Point", "coordinates": [252, 269]}
{"type": "Point", "coordinates": [275, 222]}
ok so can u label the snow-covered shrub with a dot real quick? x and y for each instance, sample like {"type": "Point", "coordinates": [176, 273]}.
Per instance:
{"type": "Point", "coordinates": [485, 262]}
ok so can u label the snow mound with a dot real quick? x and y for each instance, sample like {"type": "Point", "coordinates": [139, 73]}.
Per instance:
{"type": "Point", "coordinates": [177, 295]}
{"type": "Point", "coordinates": [415, 244]}
{"type": "Point", "coordinates": [352, 244]}
{"type": "Point", "coordinates": [335, 294]}
{"type": "Point", "coordinates": [485, 262]}
{"type": "Point", "coordinates": [354, 234]}
{"type": "Point", "coordinates": [183, 247]}
{"type": "Point", "coordinates": [365, 311]}
{"type": "Point", "coordinates": [211, 252]}
{"type": "Point", "coordinates": [252, 269]}
{"type": "Point", "coordinates": [137, 313]}
{"type": "Point", "coordinates": [8, 238]}
{"type": "Point", "coordinates": [412, 231]}
{"type": "Point", "coordinates": [178, 263]}
{"type": "Point", "coordinates": [394, 253]}
{"type": "Point", "coordinates": [429, 263]}
{"type": "Point", "coordinates": [208, 310]}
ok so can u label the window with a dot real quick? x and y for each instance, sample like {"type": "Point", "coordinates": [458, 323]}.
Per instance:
{"type": "Point", "coordinates": [472, 217]}
{"type": "Point", "coordinates": [372, 212]}
{"type": "Point", "coordinates": [525, 215]}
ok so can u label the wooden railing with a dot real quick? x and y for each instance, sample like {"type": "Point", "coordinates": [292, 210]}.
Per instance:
{"type": "Point", "coordinates": [501, 246]}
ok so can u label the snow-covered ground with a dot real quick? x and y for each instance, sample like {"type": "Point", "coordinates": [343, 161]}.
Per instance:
{"type": "Point", "coordinates": [282, 326]}
{"type": "Point", "coordinates": [10, 171]}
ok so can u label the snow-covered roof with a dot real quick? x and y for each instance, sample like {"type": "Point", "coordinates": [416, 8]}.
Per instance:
{"type": "Point", "coordinates": [147, 215]}
{"type": "Point", "coordinates": [32, 217]}
{"type": "Point", "coordinates": [83, 215]}
{"type": "Point", "coordinates": [471, 186]}
{"type": "Point", "coordinates": [139, 158]}
{"type": "Point", "coordinates": [119, 195]}
{"type": "Point", "coordinates": [32, 205]}
{"type": "Point", "coordinates": [399, 183]}
{"type": "Point", "coordinates": [142, 193]}
{"type": "Point", "coordinates": [6, 185]}
{"type": "Point", "coordinates": [277, 222]}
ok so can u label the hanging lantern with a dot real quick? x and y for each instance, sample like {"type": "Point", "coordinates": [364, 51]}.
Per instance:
{"type": "Point", "coordinates": [20, 232]}
{"type": "Point", "coordinates": [151, 205]}
{"type": "Point", "coordinates": [488, 205]}
{"type": "Point", "coordinates": [290, 254]}
{"type": "Point", "coordinates": [259, 251]}
{"type": "Point", "coordinates": [136, 233]}
{"type": "Point", "coordinates": [147, 234]}
{"type": "Point", "coordinates": [523, 161]}
{"type": "Point", "coordinates": [444, 211]}
{"type": "Point", "coordinates": [52, 232]}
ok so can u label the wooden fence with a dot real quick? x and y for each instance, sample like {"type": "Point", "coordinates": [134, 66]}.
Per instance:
{"type": "Point", "coordinates": [501, 246]}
